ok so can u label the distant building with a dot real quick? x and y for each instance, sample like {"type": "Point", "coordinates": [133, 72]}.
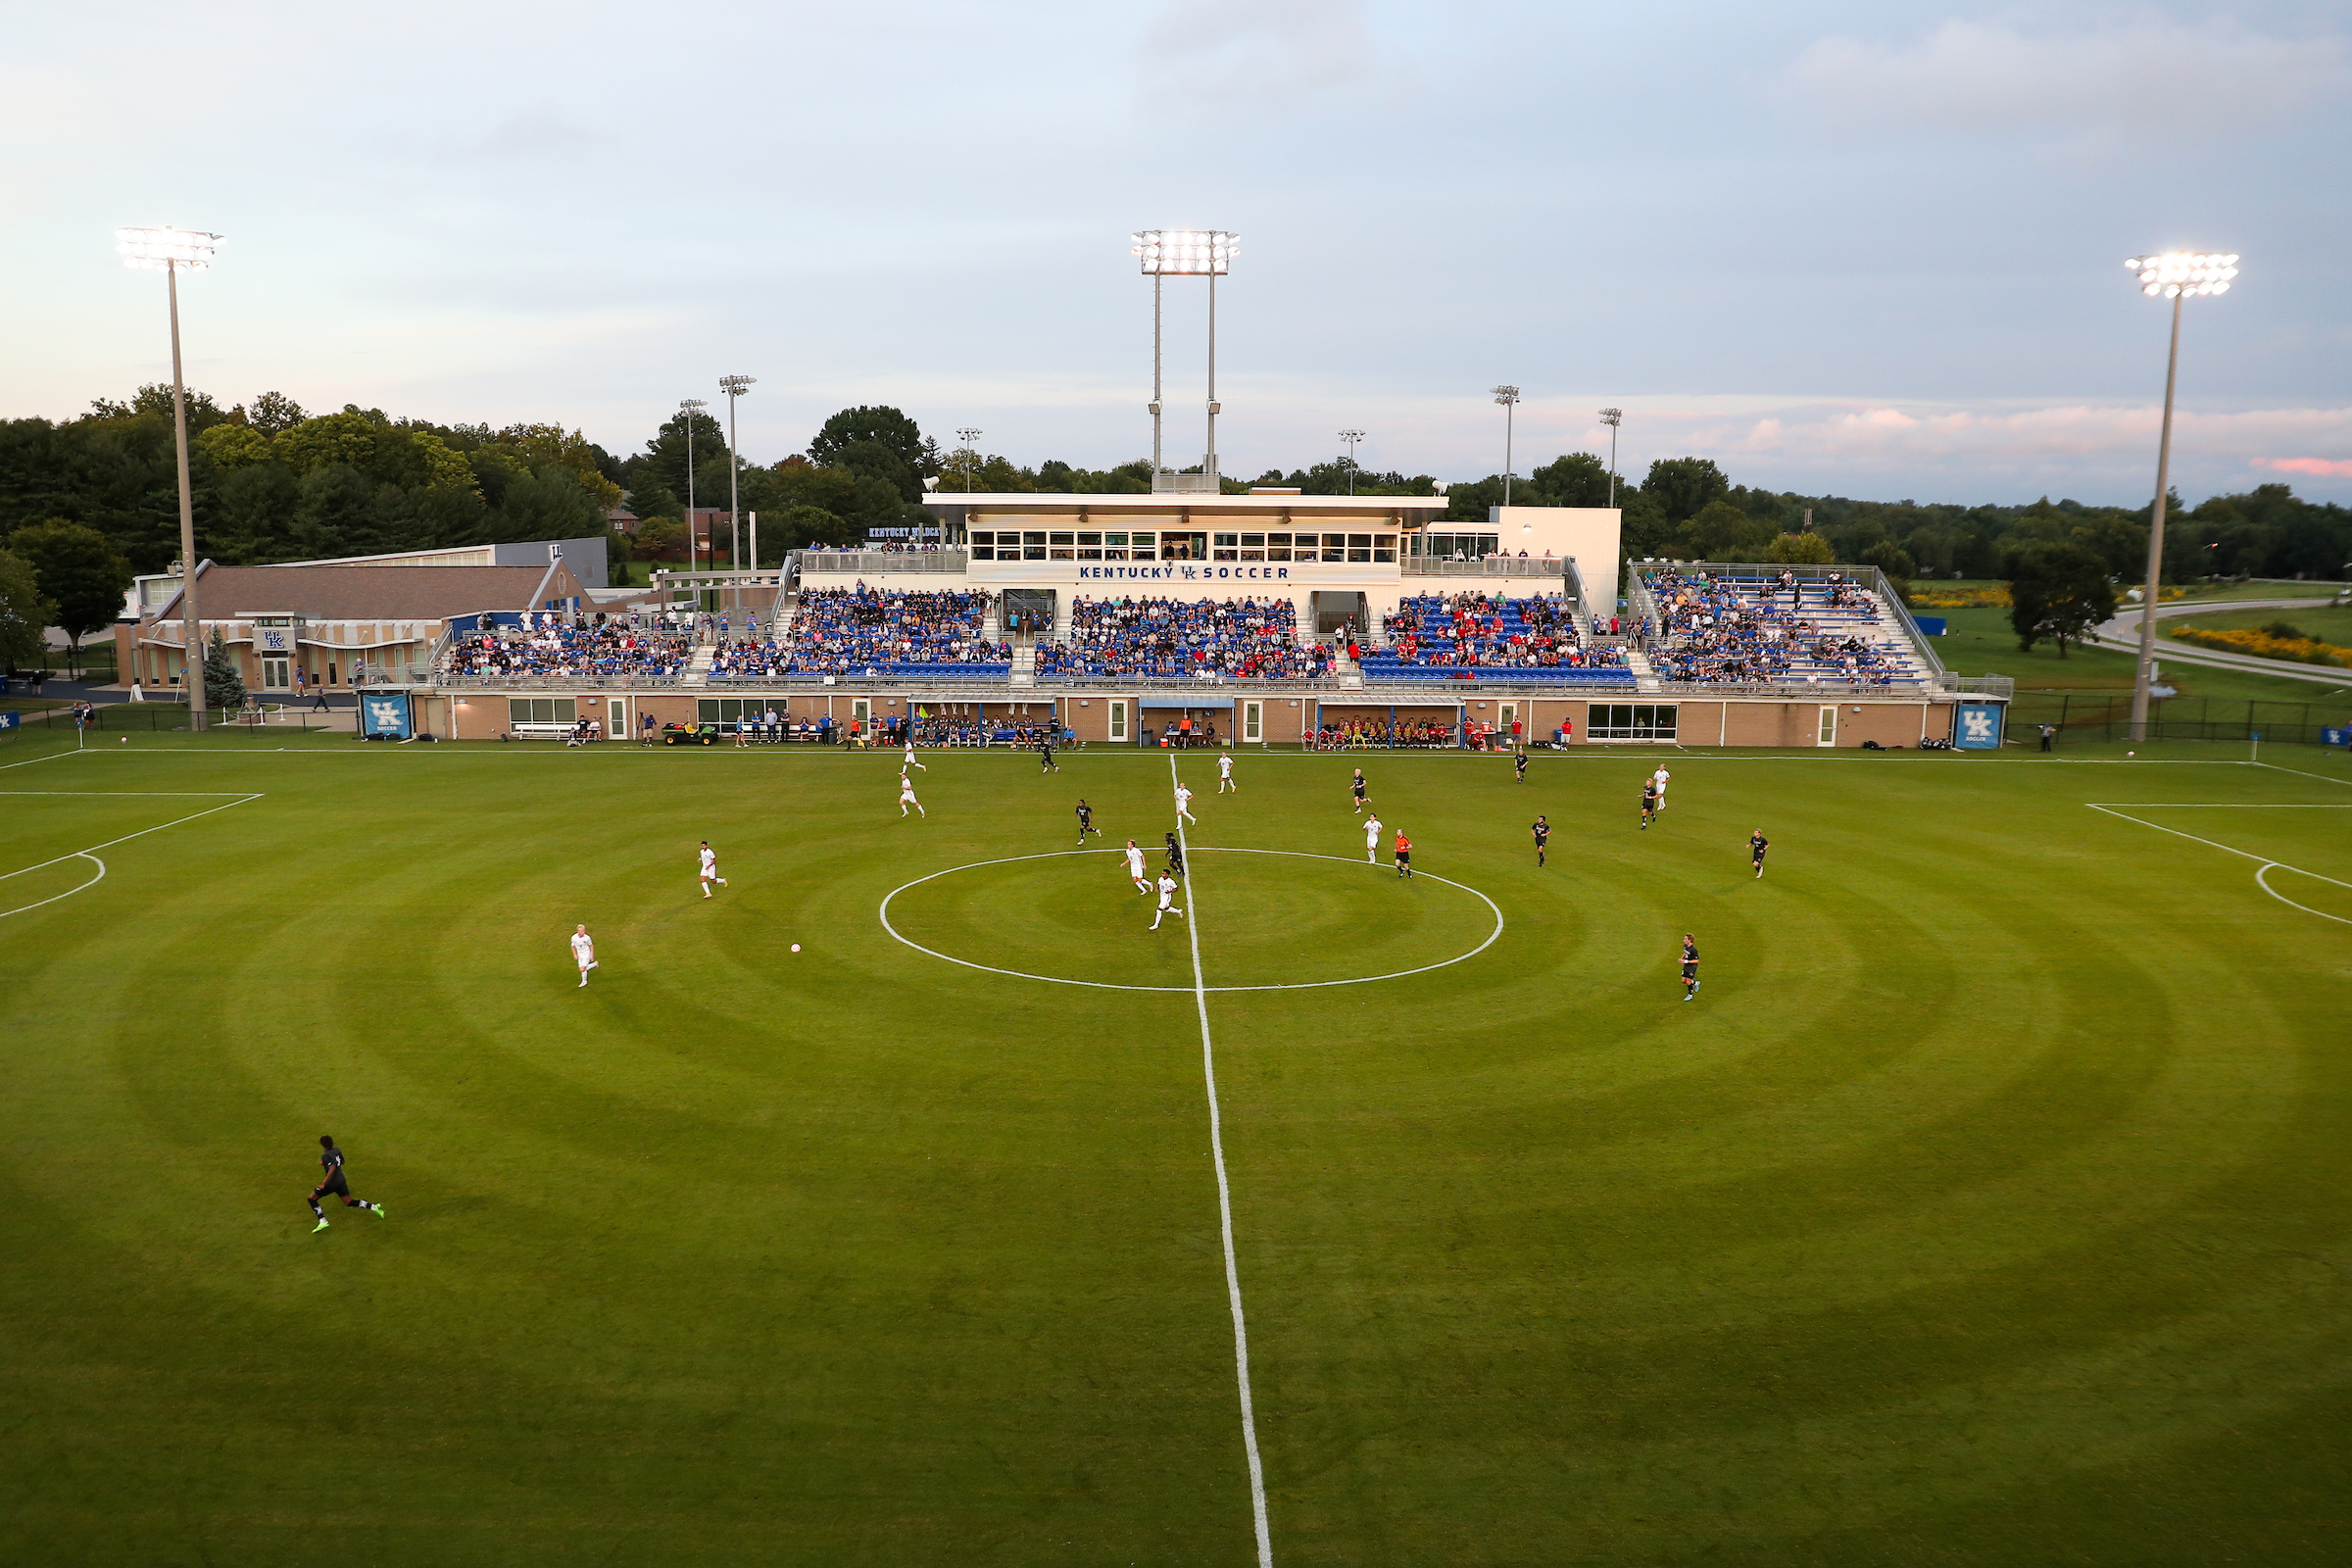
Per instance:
{"type": "Point", "coordinates": [341, 623]}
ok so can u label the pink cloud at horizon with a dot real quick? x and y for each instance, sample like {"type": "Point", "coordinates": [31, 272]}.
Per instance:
{"type": "Point", "coordinates": [2320, 467]}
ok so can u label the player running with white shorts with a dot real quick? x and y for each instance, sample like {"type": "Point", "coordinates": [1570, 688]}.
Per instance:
{"type": "Point", "coordinates": [906, 795]}
{"type": "Point", "coordinates": [1167, 900]}
{"type": "Point", "coordinates": [1184, 805]}
{"type": "Point", "coordinates": [910, 761]}
{"type": "Point", "coordinates": [710, 874]}
{"type": "Point", "coordinates": [1372, 840]}
{"type": "Point", "coordinates": [583, 951]}
{"type": "Point", "coordinates": [1135, 868]}
{"type": "Point", "coordinates": [1660, 778]}
{"type": "Point", "coordinates": [1225, 777]}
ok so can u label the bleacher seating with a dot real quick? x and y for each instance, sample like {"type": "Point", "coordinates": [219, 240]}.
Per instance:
{"type": "Point", "coordinates": [1489, 637]}
{"type": "Point", "coordinates": [543, 643]}
{"type": "Point", "coordinates": [869, 631]}
{"type": "Point", "coordinates": [1202, 639]}
{"type": "Point", "coordinates": [1753, 628]}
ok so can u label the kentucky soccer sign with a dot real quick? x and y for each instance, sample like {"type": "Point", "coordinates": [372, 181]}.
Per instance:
{"type": "Point", "coordinates": [385, 716]}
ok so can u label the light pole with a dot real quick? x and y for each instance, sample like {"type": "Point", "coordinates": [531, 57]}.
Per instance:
{"type": "Point", "coordinates": [168, 251]}
{"type": "Point", "coordinates": [734, 386]}
{"type": "Point", "coordinates": [1612, 417]}
{"type": "Point", "coordinates": [688, 407]}
{"type": "Point", "coordinates": [967, 434]}
{"type": "Point", "coordinates": [2174, 276]}
{"type": "Point", "coordinates": [1351, 437]}
{"type": "Point", "coordinates": [1508, 397]}
{"type": "Point", "coordinates": [1185, 253]}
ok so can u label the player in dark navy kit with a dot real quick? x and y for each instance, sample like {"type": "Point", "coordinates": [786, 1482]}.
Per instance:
{"type": "Point", "coordinates": [330, 1161]}
{"type": "Point", "coordinates": [1045, 756]}
{"type": "Point", "coordinates": [1758, 844]}
{"type": "Point", "coordinates": [1085, 822]}
{"type": "Point", "coordinates": [1689, 966]}
{"type": "Point", "coordinates": [1175, 857]}
{"type": "Point", "coordinates": [1542, 831]}
{"type": "Point", "coordinates": [1359, 787]}
{"type": "Point", "coordinates": [1519, 768]}
{"type": "Point", "coordinates": [1649, 800]}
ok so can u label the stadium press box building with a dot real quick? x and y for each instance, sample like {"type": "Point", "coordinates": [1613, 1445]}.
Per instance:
{"type": "Point", "coordinates": [1345, 563]}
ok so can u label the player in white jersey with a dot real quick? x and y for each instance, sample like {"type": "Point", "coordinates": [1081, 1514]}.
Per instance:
{"type": "Point", "coordinates": [1660, 778]}
{"type": "Point", "coordinates": [583, 951]}
{"type": "Point", "coordinates": [910, 761]}
{"type": "Point", "coordinates": [711, 868]}
{"type": "Point", "coordinates": [906, 795]}
{"type": "Point", "coordinates": [1135, 868]}
{"type": "Point", "coordinates": [1372, 840]}
{"type": "Point", "coordinates": [1225, 775]}
{"type": "Point", "coordinates": [1183, 805]}
{"type": "Point", "coordinates": [1167, 900]}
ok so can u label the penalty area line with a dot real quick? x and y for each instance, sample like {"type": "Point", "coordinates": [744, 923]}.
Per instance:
{"type": "Point", "coordinates": [2264, 866]}
{"type": "Point", "coordinates": [1216, 1146]}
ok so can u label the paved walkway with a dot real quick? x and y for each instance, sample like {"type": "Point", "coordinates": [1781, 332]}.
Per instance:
{"type": "Point", "coordinates": [2123, 632]}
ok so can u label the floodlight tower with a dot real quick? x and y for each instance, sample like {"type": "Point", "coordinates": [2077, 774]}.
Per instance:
{"type": "Point", "coordinates": [734, 386]}
{"type": "Point", "coordinates": [1351, 437]}
{"type": "Point", "coordinates": [1612, 417]}
{"type": "Point", "coordinates": [1508, 397]}
{"type": "Point", "coordinates": [688, 407]}
{"type": "Point", "coordinates": [2175, 277]}
{"type": "Point", "coordinates": [168, 251]}
{"type": "Point", "coordinates": [1185, 253]}
{"type": "Point", "coordinates": [967, 434]}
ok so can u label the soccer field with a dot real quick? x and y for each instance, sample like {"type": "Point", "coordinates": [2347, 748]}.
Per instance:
{"type": "Point", "coordinates": [1987, 1203]}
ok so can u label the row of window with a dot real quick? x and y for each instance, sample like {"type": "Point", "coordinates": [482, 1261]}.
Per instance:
{"type": "Point", "coordinates": [1630, 721]}
{"type": "Point", "coordinates": [1083, 544]}
{"type": "Point", "coordinates": [542, 711]}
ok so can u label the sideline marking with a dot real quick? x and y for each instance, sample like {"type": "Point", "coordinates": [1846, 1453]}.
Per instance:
{"type": "Point", "coordinates": [1206, 848]}
{"type": "Point", "coordinates": [82, 855]}
{"type": "Point", "coordinates": [2262, 871]}
{"type": "Point", "coordinates": [1216, 1145]}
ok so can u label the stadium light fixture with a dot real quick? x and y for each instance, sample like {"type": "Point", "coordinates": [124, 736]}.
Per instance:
{"type": "Point", "coordinates": [689, 408]}
{"type": "Point", "coordinates": [171, 250]}
{"type": "Point", "coordinates": [2174, 275]}
{"type": "Point", "coordinates": [1185, 253]}
{"type": "Point", "coordinates": [735, 386]}
{"type": "Point", "coordinates": [1612, 417]}
{"type": "Point", "coordinates": [1351, 437]}
{"type": "Point", "coordinates": [967, 434]}
{"type": "Point", "coordinates": [1508, 397]}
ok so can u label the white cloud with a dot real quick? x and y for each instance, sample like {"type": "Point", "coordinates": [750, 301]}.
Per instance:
{"type": "Point", "coordinates": [2140, 78]}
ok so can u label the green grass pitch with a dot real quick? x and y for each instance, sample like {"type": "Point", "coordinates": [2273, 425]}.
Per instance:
{"type": "Point", "coordinates": [1987, 1205]}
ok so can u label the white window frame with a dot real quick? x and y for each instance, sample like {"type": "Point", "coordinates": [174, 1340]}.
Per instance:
{"type": "Point", "coordinates": [1117, 713]}
{"type": "Point", "coordinates": [1253, 723]}
{"type": "Point", "coordinates": [1827, 734]}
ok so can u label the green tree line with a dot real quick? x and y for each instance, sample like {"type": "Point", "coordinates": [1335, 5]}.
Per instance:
{"type": "Point", "coordinates": [274, 482]}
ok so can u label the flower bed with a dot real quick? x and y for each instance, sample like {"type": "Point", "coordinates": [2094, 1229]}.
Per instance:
{"type": "Point", "coordinates": [2262, 645]}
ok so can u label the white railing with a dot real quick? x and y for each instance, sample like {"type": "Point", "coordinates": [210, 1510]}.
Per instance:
{"type": "Point", "coordinates": [1551, 567]}
{"type": "Point", "coordinates": [877, 562]}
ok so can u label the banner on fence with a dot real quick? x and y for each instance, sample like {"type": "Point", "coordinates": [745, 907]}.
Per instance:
{"type": "Point", "coordinates": [2331, 736]}
{"type": "Point", "coordinates": [1977, 726]}
{"type": "Point", "coordinates": [10, 720]}
{"type": "Point", "coordinates": [387, 714]}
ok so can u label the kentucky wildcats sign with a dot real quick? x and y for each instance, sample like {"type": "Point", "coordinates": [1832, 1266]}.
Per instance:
{"type": "Point", "coordinates": [385, 716]}
{"type": "Point", "coordinates": [1977, 726]}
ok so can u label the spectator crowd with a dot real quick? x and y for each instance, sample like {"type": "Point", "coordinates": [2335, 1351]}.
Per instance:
{"type": "Point", "coordinates": [874, 631]}
{"type": "Point", "coordinates": [1771, 631]}
{"type": "Point", "coordinates": [1202, 639]}
{"type": "Point", "coordinates": [1476, 630]}
{"type": "Point", "coordinates": [596, 646]}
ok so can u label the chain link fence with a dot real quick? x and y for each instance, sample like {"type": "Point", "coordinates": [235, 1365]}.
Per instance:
{"type": "Point", "coordinates": [2179, 719]}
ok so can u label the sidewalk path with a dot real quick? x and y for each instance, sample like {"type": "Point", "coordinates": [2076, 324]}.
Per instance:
{"type": "Point", "coordinates": [2122, 633]}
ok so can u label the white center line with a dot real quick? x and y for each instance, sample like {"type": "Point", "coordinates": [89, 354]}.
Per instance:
{"type": "Point", "coordinates": [1216, 1146]}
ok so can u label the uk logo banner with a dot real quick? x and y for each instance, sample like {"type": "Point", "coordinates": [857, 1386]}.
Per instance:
{"type": "Point", "coordinates": [385, 716]}
{"type": "Point", "coordinates": [1977, 726]}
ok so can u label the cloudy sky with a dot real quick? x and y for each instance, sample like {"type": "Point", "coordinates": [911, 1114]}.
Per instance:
{"type": "Point", "coordinates": [1869, 249]}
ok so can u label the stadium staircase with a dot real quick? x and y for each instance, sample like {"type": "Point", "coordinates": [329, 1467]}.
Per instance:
{"type": "Point", "coordinates": [1024, 665]}
{"type": "Point", "coordinates": [1645, 678]}
{"type": "Point", "coordinates": [698, 670]}
{"type": "Point", "coordinates": [1351, 673]}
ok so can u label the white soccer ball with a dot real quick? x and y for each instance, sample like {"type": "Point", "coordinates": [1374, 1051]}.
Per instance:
{"type": "Point", "coordinates": [796, 947]}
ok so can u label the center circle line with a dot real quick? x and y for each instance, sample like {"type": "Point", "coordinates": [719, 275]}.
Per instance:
{"type": "Point", "coordinates": [1197, 849]}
